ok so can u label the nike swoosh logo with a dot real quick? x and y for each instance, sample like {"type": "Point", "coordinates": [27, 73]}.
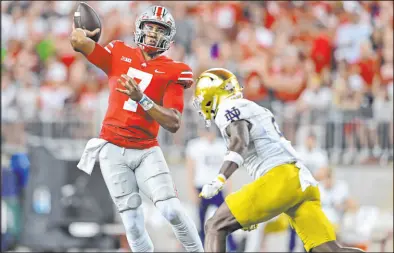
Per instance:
{"type": "Point", "coordinates": [156, 71]}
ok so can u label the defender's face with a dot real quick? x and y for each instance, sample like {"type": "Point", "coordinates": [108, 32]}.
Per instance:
{"type": "Point", "coordinates": [154, 32]}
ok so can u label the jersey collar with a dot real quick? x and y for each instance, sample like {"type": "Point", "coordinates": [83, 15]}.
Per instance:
{"type": "Point", "coordinates": [158, 58]}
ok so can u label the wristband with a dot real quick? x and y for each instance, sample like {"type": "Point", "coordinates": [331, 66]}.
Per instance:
{"type": "Point", "coordinates": [146, 103]}
{"type": "Point", "coordinates": [221, 178]}
{"type": "Point", "coordinates": [234, 157]}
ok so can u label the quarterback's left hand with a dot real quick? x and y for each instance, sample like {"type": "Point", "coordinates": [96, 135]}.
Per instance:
{"type": "Point", "coordinates": [210, 190]}
{"type": "Point", "coordinates": [132, 90]}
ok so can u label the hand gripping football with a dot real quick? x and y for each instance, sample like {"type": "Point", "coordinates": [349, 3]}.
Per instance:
{"type": "Point", "coordinates": [86, 18]}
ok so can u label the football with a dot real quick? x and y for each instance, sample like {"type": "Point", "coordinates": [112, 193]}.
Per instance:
{"type": "Point", "coordinates": [86, 18]}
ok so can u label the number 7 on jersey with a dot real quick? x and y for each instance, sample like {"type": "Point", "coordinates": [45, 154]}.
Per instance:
{"type": "Point", "coordinates": [146, 78]}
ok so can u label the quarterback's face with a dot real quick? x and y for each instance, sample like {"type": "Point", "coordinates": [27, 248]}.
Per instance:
{"type": "Point", "coordinates": [154, 32]}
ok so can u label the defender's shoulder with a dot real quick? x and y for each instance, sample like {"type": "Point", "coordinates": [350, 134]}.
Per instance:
{"type": "Point", "coordinates": [232, 110]}
{"type": "Point", "coordinates": [239, 103]}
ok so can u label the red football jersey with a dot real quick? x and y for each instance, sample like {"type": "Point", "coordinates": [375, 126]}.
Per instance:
{"type": "Point", "coordinates": [163, 80]}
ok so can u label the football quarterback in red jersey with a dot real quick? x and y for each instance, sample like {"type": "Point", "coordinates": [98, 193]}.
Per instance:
{"type": "Point", "coordinates": [146, 90]}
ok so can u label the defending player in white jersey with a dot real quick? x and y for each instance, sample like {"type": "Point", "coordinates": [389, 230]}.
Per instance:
{"type": "Point", "coordinates": [202, 166]}
{"type": "Point", "coordinates": [281, 183]}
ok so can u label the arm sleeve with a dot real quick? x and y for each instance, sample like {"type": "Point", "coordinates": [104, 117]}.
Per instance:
{"type": "Point", "coordinates": [173, 97]}
{"type": "Point", "coordinates": [102, 56]}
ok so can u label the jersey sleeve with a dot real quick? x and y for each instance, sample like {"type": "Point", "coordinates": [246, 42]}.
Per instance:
{"type": "Point", "coordinates": [101, 56]}
{"type": "Point", "coordinates": [231, 111]}
{"type": "Point", "coordinates": [173, 97]}
{"type": "Point", "coordinates": [185, 77]}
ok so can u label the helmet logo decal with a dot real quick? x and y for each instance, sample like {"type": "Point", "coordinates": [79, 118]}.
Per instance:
{"type": "Point", "coordinates": [229, 86]}
{"type": "Point", "coordinates": [159, 11]}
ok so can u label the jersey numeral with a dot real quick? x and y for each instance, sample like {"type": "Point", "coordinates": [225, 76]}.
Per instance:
{"type": "Point", "coordinates": [276, 127]}
{"type": "Point", "coordinates": [146, 78]}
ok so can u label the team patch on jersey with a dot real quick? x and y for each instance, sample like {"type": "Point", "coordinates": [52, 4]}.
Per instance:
{"type": "Point", "coordinates": [232, 114]}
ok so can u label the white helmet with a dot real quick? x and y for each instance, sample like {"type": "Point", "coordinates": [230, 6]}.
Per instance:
{"type": "Point", "coordinates": [159, 15]}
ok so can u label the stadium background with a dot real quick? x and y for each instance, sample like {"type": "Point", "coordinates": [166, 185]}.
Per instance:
{"type": "Point", "coordinates": [324, 68]}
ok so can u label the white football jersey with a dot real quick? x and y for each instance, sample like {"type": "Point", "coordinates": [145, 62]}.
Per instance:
{"type": "Point", "coordinates": [208, 158]}
{"type": "Point", "coordinates": [267, 148]}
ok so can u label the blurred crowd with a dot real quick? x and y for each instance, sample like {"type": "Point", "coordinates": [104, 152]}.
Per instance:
{"type": "Point", "coordinates": [325, 68]}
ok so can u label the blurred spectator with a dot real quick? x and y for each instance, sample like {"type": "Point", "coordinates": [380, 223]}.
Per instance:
{"type": "Point", "coordinates": [368, 70]}
{"type": "Point", "coordinates": [12, 126]}
{"type": "Point", "coordinates": [321, 51]}
{"type": "Point", "coordinates": [363, 224]}
{"type": "Point", "coordinates": [54, 92]}
{"type": "Point", "coordinates": [325, 69]}
{"type": "Point", "coordinates": [351, 33]}
{"type": "Point", "coordinates": [291, 57]}
{"type": "Point", "coordinates": [254, 89]}
{"type": "Point", "coordinates": [204, 156]}
{"type": "Point", "coordinates": [9, 92]}
{"type": "Point", "coordinates": [27, 102]}
{"type": "Point", "coordinates": [383, 111]}
{"type": "Point", "coordinates": [333, 194]}
{"type": "Point", "coordinates": [185, 29]}
{"type": "Point", "coordinates": [312, 155]}
{"type": "Point", "coordinates": [287, 79]}
{"type": "Point", "coordinates": [312, 107]}
{"type": "Point", "coordinates": [347, 97]}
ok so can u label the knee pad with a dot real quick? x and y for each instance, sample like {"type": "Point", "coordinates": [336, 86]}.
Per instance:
{"type": "Point", "coordinates": [171, 210]}
{"type": "Point", "coordinates": [130, 202]}
{"type": "Point", "coordinates": [134, 200]}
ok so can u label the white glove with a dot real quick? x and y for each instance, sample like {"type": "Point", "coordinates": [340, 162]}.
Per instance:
{"type": "Point", "coordinates": [210, 190]}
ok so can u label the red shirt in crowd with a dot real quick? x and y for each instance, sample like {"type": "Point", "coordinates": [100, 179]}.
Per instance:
{"type": "Point", "coordinates": [254, 88]}
{"type": "Point", "coordinates": [367, 69]}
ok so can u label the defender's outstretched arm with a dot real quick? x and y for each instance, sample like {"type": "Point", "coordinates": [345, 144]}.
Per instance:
{"type": "Point", "coordinates": [238, 131]}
